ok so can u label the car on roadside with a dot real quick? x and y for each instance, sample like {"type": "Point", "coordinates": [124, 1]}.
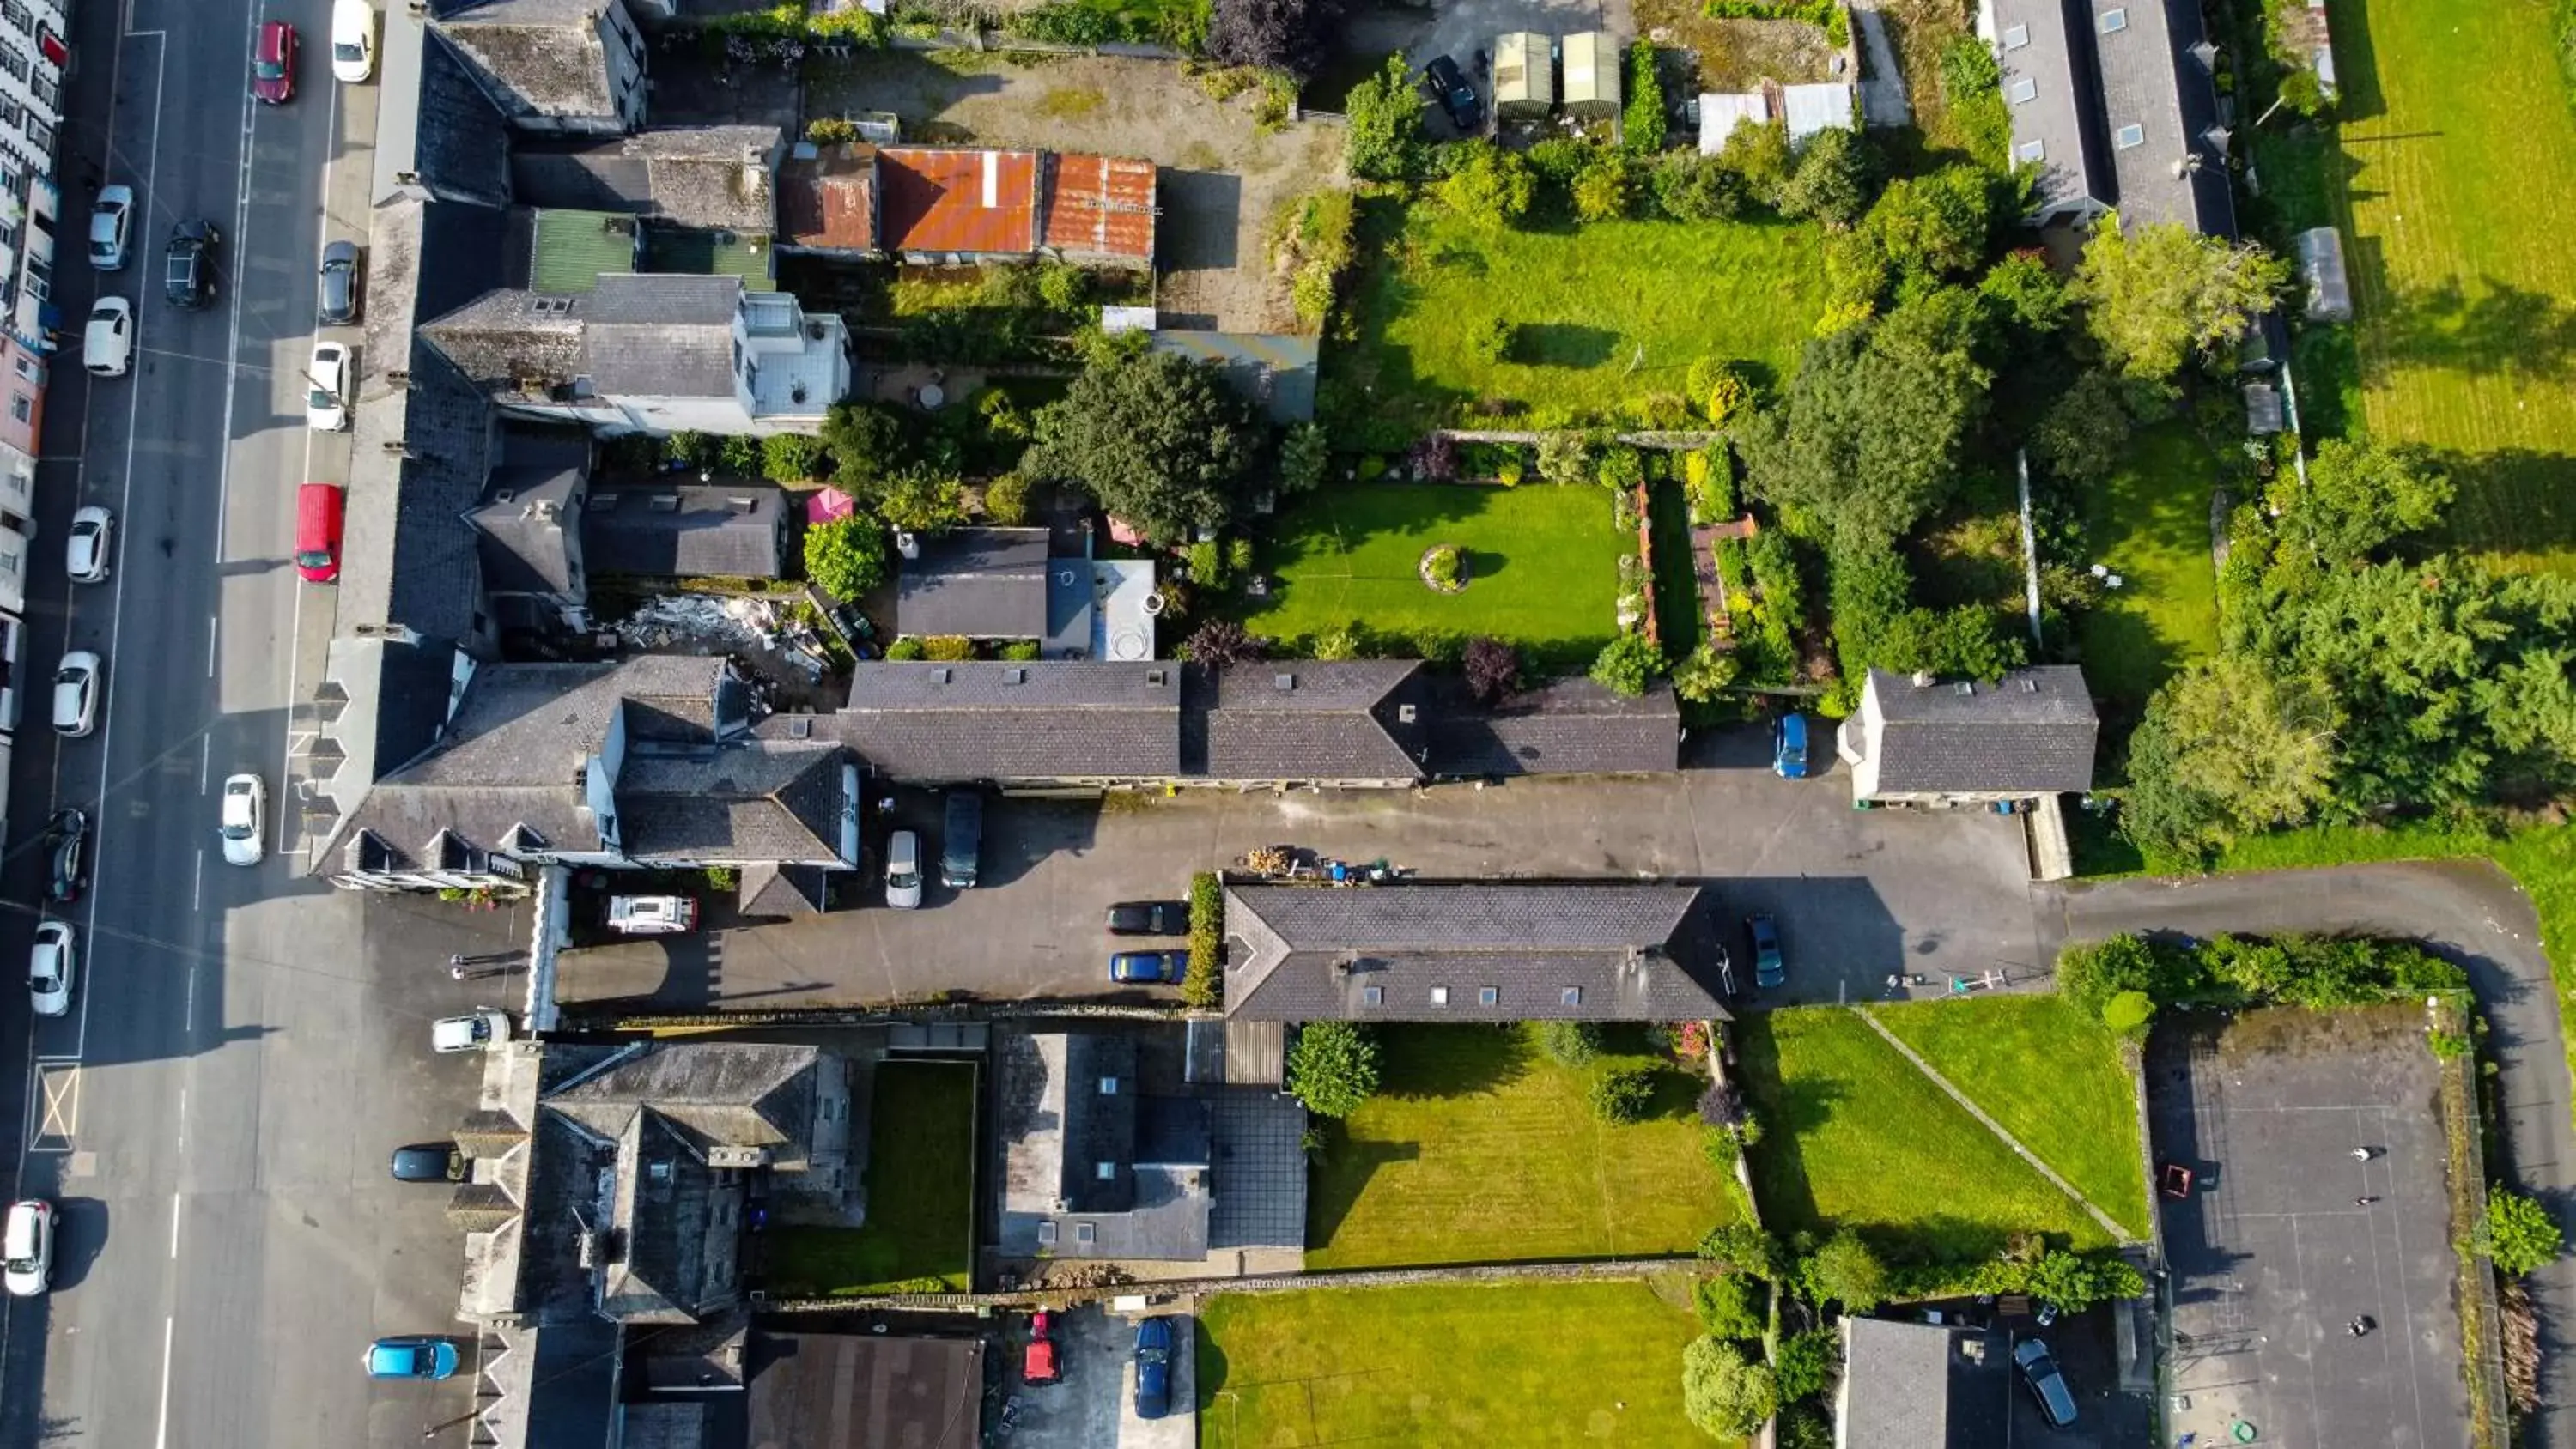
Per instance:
{"type": "Point", "coordinates": [353, 41]}
{"type": "Point", "coordinates": [1153, 1368]}
{"type": "Point", "coordinates": [243, 822]}
{"type": "Point", "coordinates": [66, 849]}
{"type": "Point", "coordinates": [429, 1162]}
{"type": "Point", "coordinates": [1041, 1366]}
{"type": "Point", "coordinates": [27, 1248]}
{"type": "Point", "coordinates": [478, 1030]}
{"type": "Point", "coordinates": [326, 388]}
{"type": "Point", "coordinates": [903, 870]}
{"type": "Point", "coordinates": [111, 226]}
{"type": "Point", "coordinates": [1148, 967]}
{"type": "Point", "coordinates": [411, 1356]}
{"type": "Point", "coordinates": [51, 966]}
{"type": "Point", "coordinates": [2039, 1374]}
{"type": "Point", "coordinates": [336, 301]}
{"type": "Point", "coordinates": [107, 339]}
{"type": "Point", "coordinates": [272, 63]}
{"type": "Point", "coordinates": [1769, 969]}
{"type": "Point", "coordinates": [652, 915]}
{"type": "Point", "coordinates": [77, 681]}
{"type": "Point", "coordinates": [1149, 918]}
{"type": "Point", "coordinates": [188, 274]}
{"type": "Point", "coordinates": [1449, 86]}
{"type": "Point", "coordinates": [318, 511]}
{"type": "Point", "coordinates": [1789, 746]}
{"type": "Point", "coordinates": [89, 546]}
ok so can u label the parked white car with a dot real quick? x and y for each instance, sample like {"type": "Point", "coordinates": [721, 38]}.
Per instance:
{"type": "Point", "coordinates": [326, 388]}
{"type": "Point", "coordinates": [77, 682]}
{"type": "Point", "coordinates": [111, 224]}
{"type": "Point", "coordinates": [903, 870]}
{"type": "Point", "coordinates": [87, 548]}
{"type": "Point", "coordinates": [353, 40]}
{"type": "Point", "coordinates": [477, 1031]}
{"type": "Point", "coordinates": [652, 915]}
{"type": "Point", "coordinates": [27, 1248]}
{"type": "Point", "coordinates": [50, 968]}
{"type": "Point", "coordinates": [107, 342]}
{"type": "Point", "coordinates": [245, 817]}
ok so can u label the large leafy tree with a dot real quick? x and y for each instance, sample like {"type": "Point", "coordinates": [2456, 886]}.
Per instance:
{"type": "Point", "coordinates": [1488, 185]}
{"type": "Point", "coordinates": [2361, 495]}
{"type": "Point", "coordinates": [1286, 35]}
{"type": "Point", "coordinates": [1333, 1067]}
{"type": "Point", "coordinates": [1383, 139]}
{"type": "Point", "coordinates": [2157, 295]}
{"type": "Point", "coordinates": [2228, 748]}
{"type": "Point", "coordinates": [1160, 441]}
{"type": "Point", "coordinates": [1934, 225]}
{"type": "Point", "coordinates": [847, 556]}
{"type": "Point", "coordinates": [1724, 1393]}
{"type": "Point", "coordinates": [1832, 179]}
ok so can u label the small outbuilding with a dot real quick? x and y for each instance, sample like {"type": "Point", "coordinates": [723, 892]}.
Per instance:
{"type": "Point", "coordinates": [1592, 79]}
{"type": "Point", "coordinates": [2263, 415]}
{"type": "Point", "coordinates": [1721, 112]}
{"type": "Point", "coordinates": [2321, 263]}
{"type": "Point", "coordinates": [1823, 106]}
{"type": "Point", "coordinates": [1524, 80]}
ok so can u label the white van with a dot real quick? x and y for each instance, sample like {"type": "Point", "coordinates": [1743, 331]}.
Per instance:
{"type": "Point", "coordinates": [652, 915]}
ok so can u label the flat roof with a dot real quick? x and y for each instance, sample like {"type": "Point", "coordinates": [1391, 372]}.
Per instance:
{"type": "Point", "coordinates": [836, 1391]}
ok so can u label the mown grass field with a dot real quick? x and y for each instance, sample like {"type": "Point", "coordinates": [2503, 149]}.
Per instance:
{"type": "Point", "coordinates": [2150, 524]}
{"type": "Point", "coordinates": [2051, 1076]}
{"type": "Point", "coordinates": [1479, 1148]}
{"type": "Point", "coordinates": [1854, 1135]}
{"type": "Point", "coordinates": [1542, 563]}
{"type": "Point", "coordinates": [1520, 1364]}
{"type": "Point", "coordinates": [921, 1178]}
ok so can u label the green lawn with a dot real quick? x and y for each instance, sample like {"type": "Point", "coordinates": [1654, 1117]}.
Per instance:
{"type": "Point", "coordinates": [1543, 565]}
{"type": "Point", "coordinates": [1519, 1364]}
{"type": "Point", "coordinates": [2150, 524]}
{"type": "Point", "coordinates": [2051, 1076]}
{"type": "Point", "coordinates": [1854, 1135]}
{"type": "Point", "coordinates": [1607, 312]}
{"type": "Point", "coordinates": [920, 1177]}
{"type": "Point", "coordinates": [1478, 1148]}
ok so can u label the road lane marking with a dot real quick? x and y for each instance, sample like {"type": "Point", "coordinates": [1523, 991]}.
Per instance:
{"type": "Point", "coordinates": [214, 632]}
{"type": "Point", "coordinates": [169, 1326]}
{"type": "Point", "coordinates": [174, 1227]}
{"type": "Point", "coordinates": [57, 1104]}
{"type": "Point", "coordinates": [197, 893]}
{"type": "Point", "coordinates": [205, 759]}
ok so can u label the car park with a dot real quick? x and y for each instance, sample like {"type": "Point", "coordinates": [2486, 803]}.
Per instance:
{"type": "Point", "coordinates": [111, 226]}
{"type": "Point", "coordinates": [2039, 1374]}
{"type": "Point", "coordinates": [961, 847]}
{"type": "Point", "coordinates": [189, 270]}
{"type": "Point", "coordinates": [479, 1030]}
{"type": "Point", "coordinates": [429, 1162]}
{"type": "Point", "coordinates": [1149, 966]}
{"type": "Point", "coordinates": [272, 63]}
{"type": "Point", "coordinates": [76, 686]}
{"type": "Point", "coordinates": [1457, 97]}
{"type": "Point", "coordinates": [244, 819]}
{"type": "Point", "coordinates": [1789, 746]}
{"type": "Point", "coordinates": [318, 508]}
{"type": "Point", "coordinates": [1149, 918]}
{"type": "Point", "coordinates": [1153, 1368]}
{"type": "Point", "coordinates": [107, 339]}
{"type": "Point", "coordinates": [27, 1248]}
{"type": "Point", "coordinates": [1769, 969]}
{"type": "Point", "coordinates": [326, 388]}
{"type": "Point", "coordinates": [66, 851]}
{"type": "Point", "coordinates": [353, 41]}
{"type": "Point", "coordinates": [903, 870]}
{"type": "Point", "coordinates": [51, 966]}
{"type": "Point", "coordinates": [89, 545]}
{"type": "Point", "coordinates": [652, 915]}
{"type": "Point", "coordinates": [336, 302]}
{"type": "Point", "coordinates": [411, 1356]}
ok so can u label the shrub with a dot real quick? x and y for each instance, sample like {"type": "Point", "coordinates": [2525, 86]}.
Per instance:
{"type": "Point", "coordinates": [1020, 651]}
{"type": "Point", "coordinates": [1565, 457]}
{"type": "Point", "coordinates": [1641, 124]}
{"type": "Point", "coordinates": [947, 648]}
{"type": "Point", "coordinates": [846, 557]}
{"type": "Point", "coordinates": [1723, 1394]}
{"type": "Point", "coordinates": [1570, 1043]}
{"type": "Point", "coordinates": [1303, 454]}
{"type": "Point", "coordinates": [791, 458]}
{"type": "Point", "coordinates": [1746, 1248]}
{"type": "Point", "coordinates": [1492, 339]}
{"type": "Point", "coordinates": [1204, 561]}
{"type": "Point", "coordinates": [2516, 1233]}
{"type": "Point", "coordinates": [1442, 566]}
{"type": "Point", "coordinates": [1706, 673]}
{"type": "Point", "coordinates": [2129, 1012]}
{"type": "Point", "coordinates": [689, 450]}
{"type": "Point", "coordinates": [1203, 985]}
{"type": "Point", "coordinates": [1603, 189]}
{"type": "Point", "coordinates": [1806, 1363]}
{"type": "Point", "coordinates": [1493, 669]}
{"type": "Point", "coordinates": [906, 647]}
{"type": "Point", "coordinates": [1845, 1271]}
{"type": "Point", "coordinates": [831, 130]}
{"type": "Point", "coordinates": [738, 453]}
{"type": "Point", "coordinates": [1435, 456]}
{"type": "Point", "coordinates": [1621, 1095]}
{"type": "Point", "coordinates": [1333, 1067]}
{"type": "Point", "coordinates": [1383, 138]}
{"type": "Point", "coordinates": [1006, 501]}
{"type": "Point", "coordinates": [1732, 1305]}
{"type": "Point", "coordinates": [1690, 187]}
{"type": "Point", "coordinates": [1721, 391]}
{"type": "Point", "coordinates": [1335, 645]}
{"type": "Point", "coordinates": [1220, 643]}
{"type": "Point", "coordinates": [1627, 665]}
{"type": "Point", "coordinates": [1487, 185]}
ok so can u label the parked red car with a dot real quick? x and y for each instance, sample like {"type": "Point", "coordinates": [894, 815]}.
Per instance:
{"type": "Point", "coordinates": [1040, 1367]}
{"type": "Point", "coordinates": [272, 65]}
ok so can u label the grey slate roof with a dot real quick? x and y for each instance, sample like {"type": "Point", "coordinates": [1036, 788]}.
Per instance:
{"type": "Point", "coordinates": [685, 531]}
{"type": "Point", "coordinates": [1058, 1129]}
{"type": "Point", "coordinates": [980, 583]}
{"type": "Point", "coordinates": [663, 336]}
{"type": "Point", "coordinates": [1069, 719]}
{"type": "Point", "coordinates": [535, 58]}
{"type": "Point", "coordinates": [2032, 732]}
{"type": "Point", "coordinates": [730, 1094]}
{"type": "Point", "coordinates": [2061, 114]}
{"type": "Point", "coordinates": [511, 341]}
{"type": "Point", "coordinates": [524, 521]}
{"type": "Point", "coordinates": [749, 800]}
{"type": "Point", "coordinates": [1305, 719]}
{"type": "Point", "coordinates": [460, 144]}
{"type": "Point", "coordinates": [716, 178]}
{"type": "Point", "coordinates": [1923, 1386]}
{"type": "Point", "coordinates": [1626, 952]}
{"type": "Point", "coordinates": [1566, 727]}
{"type": "Point", "coordinates": [2152, 78]}
{"type": "Point", "coordinates": [835, 1391]}
{"type": "Point", "coordinates": [436, 581]}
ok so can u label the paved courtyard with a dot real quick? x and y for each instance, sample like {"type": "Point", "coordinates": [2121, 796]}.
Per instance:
{"type": "Point", "coordinates": [2274, 1254]}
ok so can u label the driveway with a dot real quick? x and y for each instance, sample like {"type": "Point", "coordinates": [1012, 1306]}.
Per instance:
{"type": "Point", "coordinates": [1094, 1406]}
{"type": "Point", "coordinates": [1460, 28]}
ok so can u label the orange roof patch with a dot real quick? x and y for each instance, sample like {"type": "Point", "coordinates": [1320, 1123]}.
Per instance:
{"type": "Point", "coordinates": [942, 200]}
{"type": "Point", "coordinates": [1101, 205]}
{"type": "Point", "coordinates": [826, 202]}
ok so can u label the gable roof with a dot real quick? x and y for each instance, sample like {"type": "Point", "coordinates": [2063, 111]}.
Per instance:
{"type": "Point", "coordinates": [1590, 951]}
{"type": "Point", "coordinates": [685, 530]}
{"type": "Point", "coordinates": [1306, 719]}
{"type": "Point", "coordinates": [663, 336]}
{"type": "Point", "coordinates": [761, 800]}
{"type": "Point", "coordinates": [2032, 731]}
{"type": "Point", "coordinates": [712, 177]}
{"type": "Point", "coordinates": [979, 583]}
{"type": "Point", "coordinates": [1922, 1386]}
{"type": "Point", "coordinates": [535, 58]}
{"type": "Point", "coordinates": [1100, 206]}
{"type": "Point", "coordinates": [2060, 117]}
{"type": "Point", "coordinates": [946, 199]}
{"type": "Point", "coordinates": [2118, 99]}
{"type": "Point", "coordinates": [1564, 727]}
{"type": "Point", "coordinates": [827, 197]}
{"type": "Point", "coordinates": [718, 1094]}
{"type": "Point", "coordinates": [1067, 719]}
{"type": "Point", "coordinates": [523, 522]}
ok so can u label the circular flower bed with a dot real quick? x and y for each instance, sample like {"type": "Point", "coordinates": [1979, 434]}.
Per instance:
{"type": "Point", "coordinates": [1444, 568]}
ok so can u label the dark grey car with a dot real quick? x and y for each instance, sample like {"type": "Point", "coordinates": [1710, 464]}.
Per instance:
{"type": "Point", "coordinates": [190, 279]}
{"type": "Point", "coordinates": [429, 1162]}
{"type": "Point", "coordinates": [339, 296]}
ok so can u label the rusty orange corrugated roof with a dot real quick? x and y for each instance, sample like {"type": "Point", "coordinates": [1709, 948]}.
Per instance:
{"type": "Point", "coordinates": [1102, 205]}
{"type": "Point", "coordinates": [824, 202]}
{"type": "Point", "coordinates": [955, 200]}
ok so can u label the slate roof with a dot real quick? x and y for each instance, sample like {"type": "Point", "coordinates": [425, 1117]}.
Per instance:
{"type": "Point", "coordinates": [663, 336]}
{"type": "Point", "coordinates": [944, 199]}
{"type": "Point", "coordinates": [2153, 78]}
{"type": "Point", "coordinates": [2040, 58]}
{"type": "Point", "coordinates": [535, 58]}
{"type": "Point", "coordinates": [711, 177]}
{"type": "Point", "coordinates": [730, 1094]}
{"type": "Point", "coordinates": [2032, 732]}
{"type": "Point", "coordinates": [827, 1391]}
{"type": "Point", "coordinates": [460, 143]}
{"type": "Point", "coordinates": [979, 583]}
{"type": "Point", "coordinates": [827, 199]}
{"type": "Point", "coordinates": [1306, 719]}
{"type": "Point", "coordinates": [1567, 727]}
{"type": "Point", "coordinates": [753, 800]}
{"type": "Point", "coordinates": [510, 341]}
{"type": "Point", "coordinates": [1100, 206]}
{"type": "Point", "coordinates": [704, 536]}
{"type": "Point", "coordinates": [525, 521]}
{"type": "Point", "coordinates": [1059, 1129]}
{"type": "Point", "coordinates": [1625, 952]}
{"type": "Point", "coordinates": [1923, 1386]}
{"type": "Point", "coordinates": [1069, 719]}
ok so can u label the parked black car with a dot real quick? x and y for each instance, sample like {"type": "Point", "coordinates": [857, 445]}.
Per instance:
{"type": "Point", "coordinates": [339, 292]}
{"type": "Point", "coordinates": [1149, 918]}
{"type": "Point", "coordinates": [1449, 86]}
{"type": "Point", "coordinates": [189, 269]}
{"type": "Point", "coordinates": [961, 847]}
{"type": "Point", "coordinates": [429, 1162]}
{"type": "Point", "coordinates": [2039, 1371]}
{"type": "Point", "coordinates": [66, 838]}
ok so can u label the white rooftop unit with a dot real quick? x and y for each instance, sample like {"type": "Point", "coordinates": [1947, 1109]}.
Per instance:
{"type": "Point", "coordinates": [1721, 112]}
{"type": "Point", "coordinates": [1524, 76]}
{"type": "Point", "coordinates": [1825, 105]}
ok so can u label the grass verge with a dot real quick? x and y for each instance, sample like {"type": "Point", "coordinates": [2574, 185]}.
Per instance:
{"type": "Point", "coordinates": [921, 1176]}
{"type": "Point", "coordinates": [1479, 1148]}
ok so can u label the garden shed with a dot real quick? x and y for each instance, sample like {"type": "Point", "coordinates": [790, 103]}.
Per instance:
{"type": "Point", "coordinates": [1524, 76]}
{"type": "Point", "coordinates": [1591, 75]}
{"type": "Point", "coordinates": [2321, 262]}
{"type": "Point", "coordinates": [1721, 112]}
{"type": "Point", "coordinates": [1825, 105]}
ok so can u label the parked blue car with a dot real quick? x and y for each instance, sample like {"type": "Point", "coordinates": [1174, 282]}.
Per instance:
{"type": "Point", "coordinates": [1153, 1368]}
{"type": "Point", "coordinates": [411, 1356]}
{"type": "Point", "coordinates": [1769, 969]}
{"type": "Point", "coordinates": [1789, 747]}
{"type": "Point", "coordinates": [1149, 967]}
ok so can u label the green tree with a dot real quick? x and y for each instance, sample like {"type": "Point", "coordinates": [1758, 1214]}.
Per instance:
{"type": "Point", "coordinates": [1832, 179]}
{"type": "Point", "coordinates": [1627, 665]}
{"type": "Point", "coordinates": [2228, 748]}
{"type": "Point", "coordinates": [867, 442]}
{"type": "Point", "coordinates": [2091, 975]}
{"type": "Point", "coordinates": [1161, 442]}
{"type": "Point", "coordinates": [1333, 1067]}
{"type": "Point", "coordinates": [1746, 1248]}
{"type": "Point", "coordinates": [2075, 1282]}
{"type": "Point", "coordinates": [2025, 290]}
{"type": "Point", "coordinates": [1690, 187]}
{"type": "Point", "coordinates": [1934, 225]}
{"type": "Point", "coordinates": [1303, 451]}
{"type": "Point", "coordinates": [1724, 1394]}
{"type": "Point", "coordinates": [919, 500]}
{"type": "Point", "coordinates": [2516, 1233]}
{"type": "Point", "coordinates": [1570, 1043]}
{"type": "Point", "coordinates": [1383, 138]}
{"type": "Point", "coordinates": [790, 457]}
{"type": "Point", "coordinates": [2128, 1013]}
{"type": "Point", "coordinates": [1731, 1305]}
{"type": "Point", "coordinates": [1621, 1095]}
{"type": "Point", "coordinates": [2156, 295]}
{"type": "Point", "coordinates": [1604, 189]}
{"type": "Point", "coordinates": [1641, 124]}
{"type": "Point", "coordinates": [2361, 495]}
{"type": "Point", "coordinates": [1844, 1270]}
{"type": "Point", "coordinates": [1487, 185]}
{"type": "Point", "coordinates": [1806, 1363]}
{"type": "Point", "coordinates": [2084, 435]}
{"type": "Point", "coordinates": [846, 556]}
{"type": "Point", "coordinates": [1705, 673]}
{"type": "Point", "coordinates": [1760, 154]}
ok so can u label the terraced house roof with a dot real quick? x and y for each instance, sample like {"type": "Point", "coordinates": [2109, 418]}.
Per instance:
{"type": "Point", "coordinates": [955, 200]}
{"type": "Point", "coordinates": [1101, 206]}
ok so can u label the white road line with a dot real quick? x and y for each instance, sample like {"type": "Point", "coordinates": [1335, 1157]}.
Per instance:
{"type": "Point", "coordinates": [183, 1126]}
{"type": "Point", "coordinates": [232, 327]}
{"type": "Point", "coordinates": [188, 1023]}
{"type": "Point", "coordinates": [161, 1438]}
{"type": "Point", "coordinates": [197, 894]}
{"type": "Point", "coordinates": [214, 631]}
{"type": "Point", "coordinates": [174, 1227]}
{"type": "Point", "coordinates": [205, 760]}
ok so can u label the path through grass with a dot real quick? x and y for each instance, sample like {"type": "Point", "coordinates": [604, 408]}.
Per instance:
{"type": "Point", "coordinates": [920, 1176]}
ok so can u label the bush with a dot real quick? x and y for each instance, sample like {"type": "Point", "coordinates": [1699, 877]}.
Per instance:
{"type": "Point", "coordinates": [1020, 651]}
{"type": "Point", "coordinates": [1845, 1271]}
{"type": "Point", "coordinates": [1641, 124]}
{"type": "Point", "coordinates": [1723, 1394]}
{"type": "Point", "coordinates": [1705, 674]}
{"type": "Point", "coordinates": [1006, 501]}
{"type": "Point", "coordinates": [1383, 138]}
{"type": "Point", "coordinates": [948, 648]}
{"type": "Point", "coordinates": [1491, 340]}
{"type": "Point", "coordinates": [1203, 985]}
{"type": "Point", "coordinates": [2516, 1233]}
{"type": "Point", "coordinates": [2129, 1012]}
{"type": "Point", "coordinates": [1732, 1305]}
{"type": "Point", "coordinates": [1627, 665]}
{"type": "Point", "coordinates": [1603, 189]}
{"type": "Point", "coordinates": [846, 557]}
{"type": "Point", "coordinates": [1570, 1043]}
{"type": "Point", "coordinates": [1719, 389]}
{"type": "Point", "coordinates": [1806, 1363]}
{"type": "Point", "coordinates": [1435, 456]}
{"type": "Point", "coordinates": [1443, 566]}
{"type": "Point", "coordinates": [1487, 185]}
{"type": "Point", "coordinates": [1220, 643]}
{"type": "Point", "coordinates": [1746, 1248]}
{"type": "Point", "coordinates": [1333, 1067]}
{"type": "Point", "coordinates": [1565, 457]}
{"type": "Point", "coordinates": [791, 458]}
{"type": "Point", "coordinates": [1493, 669]}
{"type": "Point", "coordinates": [1690, 187]}
{"type": "Point", "coordinates": [1335, 645]}
{"type": "Point", "coordinates": [905, 648]}
{"type": "Point", "coordinates": [1304, 452]}
{"type": "Point", "coordinates": [1621, 1095]}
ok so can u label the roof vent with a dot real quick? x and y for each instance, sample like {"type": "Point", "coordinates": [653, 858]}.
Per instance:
{"type": "Point", "coordinates": [942, 675]}
{"type": "Point", "coordinates": [1283, 682]}
{"type": "Point", "coordinates": [504, 495]}
{"type": "Point", "coordinates": [1015, 675]}
{"type": "Point", "coordinates": [1964, 686]}
{"type": "Point", "coordinates": [2028, 684]}
{"type": "Point", "coordinates": [1923, 679]}
{"type": "Point", "coordinates": [1404, 714]}
{"type": "Point", "coordinates": [660, 1171]}
{"type": "Point", "coordinates": [1157, 678]}
{"type": "Point", "coordinates": [744, 503]}
{"type": "Point", "coordinates": [800, 727]}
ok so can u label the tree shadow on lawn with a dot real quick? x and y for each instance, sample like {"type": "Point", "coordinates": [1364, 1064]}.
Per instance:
{"type": "Point", "coordinates": [1331, 524]}
{"type": "Point", "coordinates": [1340, 1178]}
{"type": "Point", "coordinates": [1426, 1063]}
{"type": "Point", "coordinates": [1562, 344]}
